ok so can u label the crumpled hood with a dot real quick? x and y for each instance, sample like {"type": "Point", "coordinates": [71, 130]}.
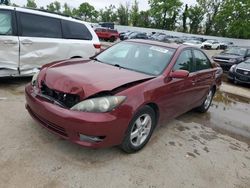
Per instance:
{"type": "Point", "coordinates": [87, 78]}
{"type": "Point", "coordinates": [244, 65]}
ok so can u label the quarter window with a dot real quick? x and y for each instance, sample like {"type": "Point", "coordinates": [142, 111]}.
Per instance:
{"type": "Point", "coordinates": [74, 30]}
{"type": "Point", "coordinates": [40, 26]}
{"type": "Point", "coordinates": [5, 23]}
{"type": "Point", "coordinates": [184, 62]}
{"type": "Point", "coordinates": [201, 61]}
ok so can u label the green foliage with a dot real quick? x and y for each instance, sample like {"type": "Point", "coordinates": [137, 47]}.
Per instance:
{"type": "Point", "coordinates": [54, 7]}
{"type": "Point", "coordinates": [144, 19]}
{"type": "Point", "coordinates": [123, 14]}
{"type": "Point", "coordinates": [108, 14]}
{"type": "Point", "coordinates": [134, 14]}
{"type": "Point", "coordinates": [165, 13]}
{"type": "Point", "coordinates": [233, 19]}
{"type": "Point", "coordinates": [184, 18]}
{"type": "Point", "coordinates": [66, 10]}
{"type": "Point", "coordinates": [86, 12]}
{"type": "Point", "coordinates": [31, 4]}
{"type": "Point", "coordinates": [196, 16]}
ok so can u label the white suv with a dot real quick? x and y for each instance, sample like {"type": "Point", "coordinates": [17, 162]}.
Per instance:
{"type": "Point", "coordinates": [32, 38]}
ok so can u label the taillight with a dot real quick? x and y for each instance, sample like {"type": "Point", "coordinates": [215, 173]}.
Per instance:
{"type": "Point", "coordinates": [97, 46]}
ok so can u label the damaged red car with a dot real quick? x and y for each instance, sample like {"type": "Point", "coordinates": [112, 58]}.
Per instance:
{"type": "Point", "coordinates": [119, 96]}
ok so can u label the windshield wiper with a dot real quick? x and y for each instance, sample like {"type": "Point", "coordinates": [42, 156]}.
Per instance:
{"type": "Point", "coordinates": [95, 59]}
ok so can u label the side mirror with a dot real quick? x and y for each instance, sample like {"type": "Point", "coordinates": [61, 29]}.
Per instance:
{"type": "Point", "coordinates": [181, 74]}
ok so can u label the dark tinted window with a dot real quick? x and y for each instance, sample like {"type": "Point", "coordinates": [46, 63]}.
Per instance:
{"type": "Point", "coordinates": [40, 26]}
{"type": "Point", "coordinates": [185, 61]}
{"type": "Point", "coordinates": [5, 23]}
{"type": "Point", "coordinates": [201, 61]}
{"type": "Point", "coordinates": [74, 30]}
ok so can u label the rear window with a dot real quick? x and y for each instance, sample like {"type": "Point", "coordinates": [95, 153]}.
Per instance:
{"type": "Point", "coordinates": [74, 30]}
{"type": "Point", "coordinates": [5, 23]}
{"type": "Point", "coordinates": [40, 26]}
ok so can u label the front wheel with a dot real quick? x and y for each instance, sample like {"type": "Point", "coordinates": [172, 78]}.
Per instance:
{"type": "Point", "coordinates": [140, 130]}
{"type": "Point", "coordinates": [206, 104]}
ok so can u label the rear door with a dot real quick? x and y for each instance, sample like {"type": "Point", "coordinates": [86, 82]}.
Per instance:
{"type": "Point", "coordinates": [40, 41]}
{"type": "Point", "coordinates": [9, 44]}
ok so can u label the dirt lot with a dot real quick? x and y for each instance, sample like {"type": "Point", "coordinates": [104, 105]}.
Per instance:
{"type": "Point", "coordinates": [194, 150]}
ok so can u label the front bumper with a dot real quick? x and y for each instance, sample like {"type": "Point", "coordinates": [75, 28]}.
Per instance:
{"type": "Point", "coordinates": [109, 127]}
{"type": "Point", "coordinates": [238, 78]}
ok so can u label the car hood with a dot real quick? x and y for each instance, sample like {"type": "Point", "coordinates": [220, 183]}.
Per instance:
{"type": "Point", "coordinates": [244, 65]}
{"type": "Point", "coordinates": [87, 78]}
{"type": "Point", "coordinates": [227, 56]}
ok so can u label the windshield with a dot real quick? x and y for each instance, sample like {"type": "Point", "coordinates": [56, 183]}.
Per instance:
{"type": "Point", "coordinates": [138, 57]}
{"type": "Point", "coordinates": [236, 51]}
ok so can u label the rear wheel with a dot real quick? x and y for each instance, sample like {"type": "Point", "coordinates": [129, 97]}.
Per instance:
{"type": "Point", "coordinates": [139, 131]}
{"type": "Point", "coordinates": [112, 39]}
{"type": "Point", "coordinates": [206, 104]}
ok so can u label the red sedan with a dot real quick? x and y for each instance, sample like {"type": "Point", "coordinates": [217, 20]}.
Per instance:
{"type": "Point", "coordinates": [120, 95]}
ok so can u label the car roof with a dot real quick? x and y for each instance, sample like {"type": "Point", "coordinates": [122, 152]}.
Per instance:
{"type": "Point", "coordinates": [157, 43]}
{"type": "Point", "coordinates": [42, 13]}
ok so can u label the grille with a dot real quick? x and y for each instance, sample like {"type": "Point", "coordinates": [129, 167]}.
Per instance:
{"type": "Point", "coordinates": [55, 128]}
{"type": "Point", "coordinates": [67, 100]}
{"type": "Point", "coordinates": [243, 72]}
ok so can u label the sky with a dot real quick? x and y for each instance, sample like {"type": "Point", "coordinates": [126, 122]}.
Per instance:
{"type": "Point", "coordinates": [98, 4]}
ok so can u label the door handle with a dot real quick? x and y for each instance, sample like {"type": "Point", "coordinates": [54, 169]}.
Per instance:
{"type": "Point", "coordinates": [27, 42]}
{"type": "Point", "coordinates": [10, 42]}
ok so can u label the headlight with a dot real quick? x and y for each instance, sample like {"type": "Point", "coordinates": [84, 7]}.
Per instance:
{"type": "Point", "coordinates": [232, 69]}
{"type": "Point", "coordinates": [232, 60]}
{"type": "Point", "coordinates": [34, 79]}
{"type": "Point", "coordinates": [100, 104]}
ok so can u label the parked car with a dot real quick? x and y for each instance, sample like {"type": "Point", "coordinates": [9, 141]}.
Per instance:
{"type": "Point", "coordinates": [163, 38]}
{"type": "Point", "coordinates": [231, 56]}
{"type": "Point", "coordinates": [109, 25]}
{"type": "Point", "coordinates": [107, 34]}
{"type": "Point", "coordinates": [225, 44]}
{"type": "Point", "coordinates": [136, 35]}
{"type": "Point", "coordinates": [31, 38]}
{"type": "Point", "coordinates": [140, 83]}
{"type": "Point", "coordinates": [122, 34]}
{"type": "Point", "coordinates": [211, 45]}
{"type": "Point", "coordinates": [240, 73]}
{"type": "Point", "coordinates": [195, 43]}
{"type": "Point", "coordinates": [154, 35]}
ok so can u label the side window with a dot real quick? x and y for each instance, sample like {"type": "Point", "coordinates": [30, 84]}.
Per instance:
{"type": "Point", "coordinates": [201, 61]}
{"type": "Point", "coordinates": [74, 30]}
{"type": "Point", "coordinates": [40, 26]}
{"type": "Point", "coordinates": [5, 23]}
{"type": "Point", "coordinates": [185, 61]}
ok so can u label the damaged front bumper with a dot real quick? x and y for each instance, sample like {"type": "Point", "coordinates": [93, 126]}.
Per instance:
{"type": "Point", "coordinates": [93, 130]}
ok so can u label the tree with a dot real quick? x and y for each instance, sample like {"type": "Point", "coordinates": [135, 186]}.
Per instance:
{"type": "Point", "coordinates": [184, 18]}
{"type": "Point", "coordinates": [134, 14]}
{"type": "Point", "coordinates": [54, 7]}
{"type": "Point", "coordinates": [165, 13]}
{"type": "Point", "coordinates": [31, 4]}
{"type": "Point", "coordinates": [67, 11]}
{"type": "Point", "coordinates": [108, 14]}
{"type": "Point", "coordinates": [233, 19]}
{"type": "Point", "coordinates": [144, 19]}
{"type": "Point", "coordinates": [87, 12]}
{"type": "Point", "coordinates": [196, 15]}
{"type": "Point", "coordinates": [210, 8]}
{"type": "Point", "coordinates": [123, 14]}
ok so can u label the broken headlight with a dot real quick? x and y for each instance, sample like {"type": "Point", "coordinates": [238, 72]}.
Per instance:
{"type": "Point", "coordinates": [100, 104]}
{"type": "Point", "coordinates": [34, 79]}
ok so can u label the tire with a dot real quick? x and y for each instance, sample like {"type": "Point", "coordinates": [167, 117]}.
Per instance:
{"type": "Point", "coordinates": [207, 102]}
{"type": "Point", "coordinates": [139, 130]}
{"type": "Point", "coordinates": [112, 39]}
{"type": "Point", "coordinates": [218, 48]}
